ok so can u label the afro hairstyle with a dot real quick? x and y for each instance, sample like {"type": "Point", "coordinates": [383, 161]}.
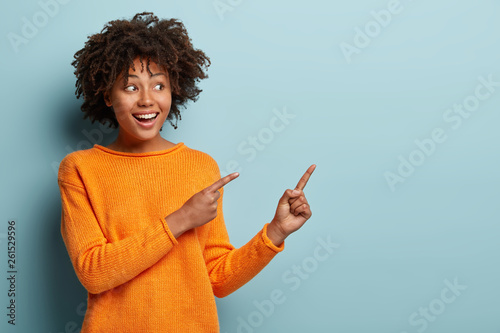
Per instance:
{"type": "Point", "coordinates": [111, 52]}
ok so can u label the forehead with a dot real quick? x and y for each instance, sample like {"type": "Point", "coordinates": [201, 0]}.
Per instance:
{"type": "Point", "coordinates": [141, 65]}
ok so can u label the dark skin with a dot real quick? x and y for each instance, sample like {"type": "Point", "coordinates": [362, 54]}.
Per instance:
{"type": "Point", "coordinates": [151, 94]}
{"type": "Point", "coordinates": [292, 212]}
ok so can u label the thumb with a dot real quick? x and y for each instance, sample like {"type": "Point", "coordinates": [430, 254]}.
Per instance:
{"type": "Point", "coordinates": [289, 194]}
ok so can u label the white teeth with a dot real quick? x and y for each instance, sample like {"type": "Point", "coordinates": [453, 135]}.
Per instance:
{"type": "Point", "coordinates": [145, 116]}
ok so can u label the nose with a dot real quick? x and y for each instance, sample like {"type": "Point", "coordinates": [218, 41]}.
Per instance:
{"type": "Point", "coordinates": [145, 98]}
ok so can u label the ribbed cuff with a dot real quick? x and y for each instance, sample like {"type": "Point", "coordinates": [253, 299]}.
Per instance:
{"type": "Point", "coordinates": [269, 243]}
{"type": "Point", "coordinates": [169, 233]}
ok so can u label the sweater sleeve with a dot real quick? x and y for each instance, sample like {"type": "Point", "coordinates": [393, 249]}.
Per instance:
{"type": "Point", "coordinates": [230, 268]}
{"type": "Point", "coordinates": [99, 264]}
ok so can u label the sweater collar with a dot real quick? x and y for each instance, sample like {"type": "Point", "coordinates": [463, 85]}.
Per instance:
{"type": "Point", "coordinates": [173, 149]}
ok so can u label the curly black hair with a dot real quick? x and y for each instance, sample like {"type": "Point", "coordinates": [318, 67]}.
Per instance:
{"type": "Point", "coordinates": [112, 52]}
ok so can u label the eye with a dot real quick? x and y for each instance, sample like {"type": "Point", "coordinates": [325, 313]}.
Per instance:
{"type": "Point", "coordinates": [159, 86]}
{"type": "Point", "coordinates": [130, 88]}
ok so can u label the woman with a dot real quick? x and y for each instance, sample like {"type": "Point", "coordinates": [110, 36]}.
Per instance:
{"type": "Point", "coordinates": [142, 217]}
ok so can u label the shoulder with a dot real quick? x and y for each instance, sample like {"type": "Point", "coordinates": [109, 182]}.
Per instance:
{"type": "Point", "coordinates": [198, 155]}
{"type": "Point", "coordinates": [202, 162]}
{"type": "Point", "coordinates": [71, 164]}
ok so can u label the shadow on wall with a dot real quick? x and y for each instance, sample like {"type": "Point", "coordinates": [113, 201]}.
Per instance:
{"type": "Point", "coordinates": [67, 298]}
{"type": "Point", "coordinates": [78, 133]}
{"type": "Point", "coordinates": [67, 304]}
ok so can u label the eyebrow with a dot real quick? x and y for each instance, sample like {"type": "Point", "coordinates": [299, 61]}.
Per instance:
{"type": "Point", "coordinates": [156, 74]}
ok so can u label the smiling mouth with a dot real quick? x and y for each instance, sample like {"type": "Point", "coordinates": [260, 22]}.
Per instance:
{"type": "Point", "coordinates": [146, 118]}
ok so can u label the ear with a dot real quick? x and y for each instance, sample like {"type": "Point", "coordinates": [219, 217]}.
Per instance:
{"type": "Point", "coordinates": [107, 100]}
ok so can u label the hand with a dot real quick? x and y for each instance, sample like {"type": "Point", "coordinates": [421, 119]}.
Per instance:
{"type": "Point", "coordinates": [200, 209]}
{"type": "Point", "coordinates": [292, 212]}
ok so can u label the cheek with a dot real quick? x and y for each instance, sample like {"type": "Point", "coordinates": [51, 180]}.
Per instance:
{"type": "Point", "coordinates": [121, 108]}
{"type": "Point", "coordinates": [122, 104]}
{"type": "Point", "coordinates": [165, 102]}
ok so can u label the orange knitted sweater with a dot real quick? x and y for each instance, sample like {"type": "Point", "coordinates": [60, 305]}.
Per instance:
{"type": "Point", "coordinates": [139, 277]}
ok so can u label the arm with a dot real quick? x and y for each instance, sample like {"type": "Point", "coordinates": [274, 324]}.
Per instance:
{"type": "Point", "coordinates": [230, 268]}
{"type": "Point", "coordinates": [99, 264]}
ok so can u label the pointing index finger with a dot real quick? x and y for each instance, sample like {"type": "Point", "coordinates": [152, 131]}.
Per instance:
{"type": "Point", "coordinates": [221, 182]}
{"type": "Point", "coordinates": [303, 181]}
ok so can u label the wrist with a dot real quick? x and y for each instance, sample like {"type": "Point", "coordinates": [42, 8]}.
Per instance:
{"type": "Point", "coordinates": [275, 234]}
{"type": "Point", "coordinates": [176, 222]}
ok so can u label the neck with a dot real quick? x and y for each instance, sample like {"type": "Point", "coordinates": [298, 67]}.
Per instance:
{"type": "Point", "coordinates": [144, 146]}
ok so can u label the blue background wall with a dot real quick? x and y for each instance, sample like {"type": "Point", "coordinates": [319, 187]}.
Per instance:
{"type": "Point", "coordinates": [389, 98]}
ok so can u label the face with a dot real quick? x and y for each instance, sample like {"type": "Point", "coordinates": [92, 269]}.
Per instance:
{"type": "Point", "coordinates": [141, 105]}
